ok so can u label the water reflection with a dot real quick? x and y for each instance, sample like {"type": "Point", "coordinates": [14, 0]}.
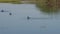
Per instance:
{"type": "Point", "coordinates": [47, 6]}
{"type": "Point", "coordinates": [39, 18]}
{"type": "Point", "coordinates": [48, 11]}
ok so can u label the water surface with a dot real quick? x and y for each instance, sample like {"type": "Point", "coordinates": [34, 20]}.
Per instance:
{"type": "Point", "coordinates": [17, 23]}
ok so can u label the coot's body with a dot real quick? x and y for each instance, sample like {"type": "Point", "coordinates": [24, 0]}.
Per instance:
{"type": "Point", "coordinates": [10, 13]}
{"type": "Point", "coordinates": [2, 10]}
{"type": "Point", "coordinates": [28, 17]}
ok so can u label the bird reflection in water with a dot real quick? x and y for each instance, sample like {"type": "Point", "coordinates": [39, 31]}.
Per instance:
{"type": "Point", "coordinates": [28, 17]}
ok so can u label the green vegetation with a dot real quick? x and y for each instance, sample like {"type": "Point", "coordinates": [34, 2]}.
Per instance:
{"type": "Point", "coordinates": [48, 6]}
{"type": "Point", "coordinates": [10, 1]}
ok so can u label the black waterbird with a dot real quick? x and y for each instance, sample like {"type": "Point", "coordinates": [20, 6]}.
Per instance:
{"type": "Point", "coordinates": [10, 13]}
{"type": "Point", "coordinates": [28, 17]}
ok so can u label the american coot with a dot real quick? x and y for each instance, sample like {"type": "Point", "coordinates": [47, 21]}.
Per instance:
{"type": "Point", "coordinates": [2, 10]}
{"type": "Point", "coordinates": [10, 13]}
{"type": "Point", "coordinates": [28, 17]}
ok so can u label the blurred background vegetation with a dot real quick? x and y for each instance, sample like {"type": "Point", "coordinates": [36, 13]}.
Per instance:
{"type": "Point", "coordinates": [48, 6]}
{"type": "Point", "coordinates": [10, 1]}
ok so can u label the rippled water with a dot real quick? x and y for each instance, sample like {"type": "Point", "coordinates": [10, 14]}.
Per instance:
{"type": "Point", "coordinates": [17, 23]}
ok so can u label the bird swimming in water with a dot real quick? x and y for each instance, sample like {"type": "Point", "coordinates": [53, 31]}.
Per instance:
{"type": "Point", "coordinates": [28, 17]}
{"type": "Point", "coordinates": [2, 10]}
{"type": "Point", "coordinates": [10, 13]}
